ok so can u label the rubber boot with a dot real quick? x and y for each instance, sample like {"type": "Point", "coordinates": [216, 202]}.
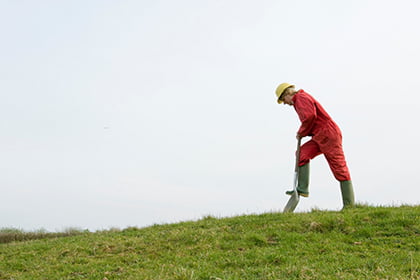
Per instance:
{"type": "Point", "coordinates": [303, 181]}
{"type": "Point", "coordinates": [347, 194]}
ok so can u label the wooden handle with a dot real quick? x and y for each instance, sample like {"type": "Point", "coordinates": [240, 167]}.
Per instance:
{"type": "Point", "coordinates": [297, 154]}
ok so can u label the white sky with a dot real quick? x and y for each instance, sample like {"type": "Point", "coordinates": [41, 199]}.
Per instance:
{"type": "Point", "coordinates": [130, 113]}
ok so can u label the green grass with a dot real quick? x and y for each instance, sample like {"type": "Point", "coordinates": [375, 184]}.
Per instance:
{"type": "Point", "coordinates": [360, 243]}
{"type": "Point", "coordinates": [8, 235]}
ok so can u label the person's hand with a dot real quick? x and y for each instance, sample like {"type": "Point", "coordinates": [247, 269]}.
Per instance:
{"type": "Point", "coordinates": [298, 136]}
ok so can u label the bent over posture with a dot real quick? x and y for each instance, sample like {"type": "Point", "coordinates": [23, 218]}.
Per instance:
{"type": "Point", "coordinates": [326, 139]}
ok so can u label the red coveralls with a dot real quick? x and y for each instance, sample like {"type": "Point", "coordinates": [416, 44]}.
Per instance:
{"type": "Point", "coordinates": [326, 135]}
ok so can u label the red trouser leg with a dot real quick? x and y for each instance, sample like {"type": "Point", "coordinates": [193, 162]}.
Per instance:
{"type": "Point", "coordinates": [308, 151]}
{"type": "Point", "coordinates": [338, 167]}
{"type": "Point", "coordinates": [337, 162]}
{"type": "Point", "coordinates": [332, 149]}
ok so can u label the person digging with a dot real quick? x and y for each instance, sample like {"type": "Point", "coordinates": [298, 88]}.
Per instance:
{"type": "Point", "coordinates": [326, 139]}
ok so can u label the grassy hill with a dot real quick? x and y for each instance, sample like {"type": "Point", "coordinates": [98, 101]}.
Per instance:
{"type": "Point", "coordinates": [360, 243]}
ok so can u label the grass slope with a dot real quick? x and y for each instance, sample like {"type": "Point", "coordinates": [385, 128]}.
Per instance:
{"type": "Point", "coordinates": [360, 243]}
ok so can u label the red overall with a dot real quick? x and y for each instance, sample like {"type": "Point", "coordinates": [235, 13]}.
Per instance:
{"type": "Point", "coordinates": [326, 135]}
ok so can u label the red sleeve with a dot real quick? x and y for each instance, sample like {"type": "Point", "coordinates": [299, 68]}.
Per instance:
{"type": "Point", "coordinates": [306, 110]}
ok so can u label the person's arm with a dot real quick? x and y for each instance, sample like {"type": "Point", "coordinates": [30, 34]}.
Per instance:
{"type": "Point", "coordinates": [306, 111]}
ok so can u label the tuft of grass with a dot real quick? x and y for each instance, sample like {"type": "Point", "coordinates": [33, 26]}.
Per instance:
{"type": "Point", "coordinates": [360, 243]}
{"type": "Point", "coordinates": [8, 235]}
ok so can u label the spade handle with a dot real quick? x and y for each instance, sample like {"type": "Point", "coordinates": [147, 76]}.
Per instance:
{"type": "Point", "coordinates": [297, 154]}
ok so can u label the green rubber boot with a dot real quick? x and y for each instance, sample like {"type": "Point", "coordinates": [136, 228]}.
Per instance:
{"type": "Point", "coordinates": [303, 181]}
{"type": "Point", "coordinates": [347, 194]}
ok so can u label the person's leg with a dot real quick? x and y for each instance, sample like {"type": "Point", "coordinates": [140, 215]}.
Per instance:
{"type": "Point", "coordinates": [347, 193]}
{"type": "Point", "coordinates": [308, 151]}
{"type": "Point", "coordinates": [335, 157]}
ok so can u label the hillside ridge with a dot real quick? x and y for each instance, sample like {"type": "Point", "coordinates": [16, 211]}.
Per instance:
{"type": "Point", "coordinates": [360, 243]}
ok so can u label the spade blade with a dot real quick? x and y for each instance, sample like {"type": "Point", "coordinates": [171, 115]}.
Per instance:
{"type": "Point", "coordinates": [292, 203]}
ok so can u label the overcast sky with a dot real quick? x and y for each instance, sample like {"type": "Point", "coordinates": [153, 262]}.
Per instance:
{"type": "Point", "coordinates": [131, 113]}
